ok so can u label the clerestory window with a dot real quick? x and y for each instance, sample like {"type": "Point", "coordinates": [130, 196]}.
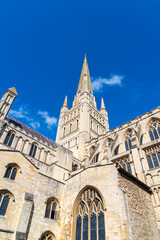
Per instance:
{"type": "Point", "coordinates": [128, 143]}
{"type": "Point", "coordinates": [9, 138]}
{"type": "Point", "coordinates": [33, 150]}
{"type": "Point", "coordinates": [154, 129]}
{"type": "Point", "coordinates": [153, 156]}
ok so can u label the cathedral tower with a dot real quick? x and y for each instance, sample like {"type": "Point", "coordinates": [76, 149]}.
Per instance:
{"type": "Point", "coordinates": [83, 121]}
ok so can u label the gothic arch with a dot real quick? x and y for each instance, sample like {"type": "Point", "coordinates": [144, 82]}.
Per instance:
{"type": "Point", "coordinates": [52, 208]}
{"type": "Point", "coordinates": [116, 150]}
{"type": "Point", "coordinates": [91, 149]}
{"type": "Point", "coordinates": [6, 199]}
{"type": "Point", "coordinates": [149, 121]}
{"type": "Point", "coordinates": [127, 138]}
{"type": "Point", "coordinates": [93, 205]}
{"type": "Point", "coordinates": [12, 170]}
{"type": "Point", "coordinates": [153, 128]}
{"type": "Point", "coordinates": [105, 143]}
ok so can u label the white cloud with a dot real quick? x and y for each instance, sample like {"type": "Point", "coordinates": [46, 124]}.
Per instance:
{"type": "Point", "coordinates": [35, 125]}
{"type": "Point", "coordinates": [98, 83]}
{"type": "Point", "coordinates": [22, 112]}
{"type": "Point", "coordinates": [50, 121]}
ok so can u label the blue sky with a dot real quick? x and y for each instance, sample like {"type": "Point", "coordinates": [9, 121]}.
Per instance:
{"type": "Point", "coordinates": [42, 47]}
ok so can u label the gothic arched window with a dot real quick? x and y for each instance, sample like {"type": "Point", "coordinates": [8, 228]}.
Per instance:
{"type": "Point", "coordinates": [5, 198]}
{"type": "Point", "coordinates": [128, 143]}
{"type": "Point", "coordinates": [47, 236]}
{"type": "Point", "coordinates": [11, 171]}
{"type": "Point", "coordinates": [154, 129]}
{"type": "Point", "coordinates": [33, 150]}
{"type": "Point", "coordinates": [9, 138]}
{"type": "Point", "coordinates": [125, 164]}
{"type": "Point", "coordinates": [89, 217]}
{"type": "Point", "coordinates": [95, 158]}
{"type": "Point", "coordinates": [116, 150]}
{"type": "Point", "coordinates": [153, 156]}
{"type": "Point", "coordinates": [52, 209]}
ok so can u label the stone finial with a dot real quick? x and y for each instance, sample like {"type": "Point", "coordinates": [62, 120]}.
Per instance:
{"type": "Point", "coordinates": [102, 104]}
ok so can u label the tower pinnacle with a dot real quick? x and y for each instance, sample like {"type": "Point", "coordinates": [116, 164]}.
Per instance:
{"type": "Point", "coordinates": [102, 103]}
{"type": "Point", "coordinates": [85, 81]}
{"type": "Point", "coordinates": [65, 102]}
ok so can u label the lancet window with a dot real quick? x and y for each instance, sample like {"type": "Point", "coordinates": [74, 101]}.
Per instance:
{"type": "Point", "coordinates": [125, 164]}
{"type": "Point", "coordinates": [95, 158]}
{"type": "Point", "coordinates": [9, 138]}
{"type": "Point", "coordinates": [128, 143]}
{"type": "Point", "coordinates": [116, 150]}
{"type": "Point", "coordinates": [47, 236]}
{"type": "Point", "coordinates": [154, 129]}
{"type": "Point", "coordinates": [33, 150]}
{"type": "Point", "coordinates": [153, 156]}
{"type": "Point", "coordinates": [11, 171]}
{"type": "Point", "coordinates": [89, 219]}
{"type": "Point", "coordinates": [5, 198]}
{"type": "Point", "coordinates": [52, 209]}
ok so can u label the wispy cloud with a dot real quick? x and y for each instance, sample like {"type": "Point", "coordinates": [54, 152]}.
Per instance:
{"type": "Point", "coordinates": [98, 83]}
{"type": "Point", "coordinates": [35, 125]}
{"type": "Point", "coordinates": [50, 121]}
{"type": "Point", "coordinates": [22, 112]}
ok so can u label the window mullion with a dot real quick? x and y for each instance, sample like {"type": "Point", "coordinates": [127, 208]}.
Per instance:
{"type": "Point", "coordinates": [11, 173]}
{"type": "Point", "coordinates": [97, 225]}
{"type": "Point", "coordinates": [152, 161]}
{"type": "Point", "coordinates": [51, 210]}
{"type": "Point", "coordinates": [89, 225]}
{"type": "Point", "coordinates": [1, 200]}
{"type": "Point", "coordinates": [82, 228]}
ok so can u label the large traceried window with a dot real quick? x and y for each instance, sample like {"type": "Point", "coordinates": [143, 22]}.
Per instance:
{"type": "Point", "coordinates": [47, 236]}
{"type": "Point", "coordinates": [125, 164]}
{"type": "Point", "coordinates": [153, 156]}
{"type": "Point", "coordinates": [9, 138]}
{"type": "Point", "coordinates": [5, 198]}
{"type": "Point", "coordinates": [154, 129]}
{"type": "Point", "coordinates": [89, 217]}
{"type": "Point", "coordinates": [128, 143]}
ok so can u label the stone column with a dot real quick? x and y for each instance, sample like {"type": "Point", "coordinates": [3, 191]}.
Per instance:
{"type": "Point", "coordinates": [15, 141]}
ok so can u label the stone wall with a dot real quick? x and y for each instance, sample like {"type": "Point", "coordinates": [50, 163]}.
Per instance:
{"type": "Point", "coordinates": [139, 208]}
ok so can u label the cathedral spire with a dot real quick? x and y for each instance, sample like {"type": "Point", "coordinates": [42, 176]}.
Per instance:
{"type": "Point", "coordinates": [102, 104]}
{"type": "Point", "coordinates": [85, 81]}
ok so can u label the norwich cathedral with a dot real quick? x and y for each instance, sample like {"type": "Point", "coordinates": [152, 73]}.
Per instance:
{"type": "Point", "coordinates": [92, 183]}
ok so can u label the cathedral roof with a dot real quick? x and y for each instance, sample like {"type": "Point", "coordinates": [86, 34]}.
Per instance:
{"type": "Point", "coordinates": [85, 81]}
{"type": "Point", "coordinates": [29, 130]}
